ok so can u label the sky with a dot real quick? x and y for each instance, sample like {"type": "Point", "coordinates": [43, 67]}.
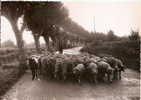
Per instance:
{"type": "Point", "coordinates": [120, 17]}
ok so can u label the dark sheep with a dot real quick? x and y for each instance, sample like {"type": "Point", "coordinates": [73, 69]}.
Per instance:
{"type": "Point", "coordinates": [47, 65]}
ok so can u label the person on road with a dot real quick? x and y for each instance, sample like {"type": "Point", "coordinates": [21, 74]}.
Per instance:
{"type": "Point", "coordinates": [33, 64]}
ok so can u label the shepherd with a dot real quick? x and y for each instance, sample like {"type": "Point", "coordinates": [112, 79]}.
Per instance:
{"type": "Point", "coordinates": [34, 65]}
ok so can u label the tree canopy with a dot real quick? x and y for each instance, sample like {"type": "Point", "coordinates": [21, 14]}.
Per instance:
{"type": "Point", "coordinates": [43, 17]}
{"type": "Point", "coordinates": [12, 10]}
{"type": "Point", "coordinates": [75, 28]}
{"type": "Point", "coordinates": [111, 36]}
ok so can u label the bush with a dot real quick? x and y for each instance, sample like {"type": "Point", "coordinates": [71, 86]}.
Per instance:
{"type": "Point", "coordinates": [8, 43]}
{"type": "Point", "coordinates": [134, 35]}
{"type": "Point", "coordinates": [127, 51]}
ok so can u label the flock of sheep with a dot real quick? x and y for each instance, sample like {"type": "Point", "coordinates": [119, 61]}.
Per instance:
{"type": "Point", "coordinates": [76, 67]}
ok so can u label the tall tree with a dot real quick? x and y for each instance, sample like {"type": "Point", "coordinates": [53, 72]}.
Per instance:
{"type": "Point", "coordinates": [134, 35]}
{"type": "Point", "coordinates": [74, 28]}
{"type": "Point", "coordinates": [12, 11]}
{"type": "Point", "coordinates": [111, 36]}
{"type": "Point", "coordinates": [43, 17]}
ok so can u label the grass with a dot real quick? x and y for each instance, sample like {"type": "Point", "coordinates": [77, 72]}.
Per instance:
{"type": "Point", "coordinates": [10, 69]}
{"type": "Point", "coordinates": [9, 75]}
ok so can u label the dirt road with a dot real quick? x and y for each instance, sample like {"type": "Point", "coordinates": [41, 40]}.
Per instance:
{"type": "Point", "coordinates": [26, 89]}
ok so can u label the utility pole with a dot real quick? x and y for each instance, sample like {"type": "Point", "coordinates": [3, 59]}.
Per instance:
{"type": "Point", "coordinates": [94, 25]}
{"type": "Point", "coordinates": [0, 35]}
{"type": "Point", "coordinates": [0, 25]}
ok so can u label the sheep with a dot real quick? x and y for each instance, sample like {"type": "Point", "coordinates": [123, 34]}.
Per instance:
{"type": "Point", "coordinates": [47, 64]}
{"type": "Point", "coordinates": [78, 71]}
{"type": "Point", "coordinates": [92, 68]}
{"type": "Point", "coordinates": [58, 69]}
{"type": "Point", "coordinates": [121, 68]}
{"type": "Point", "coordinates": [113, 63]}
{"type": "Point", "coordinates": [105, 69]}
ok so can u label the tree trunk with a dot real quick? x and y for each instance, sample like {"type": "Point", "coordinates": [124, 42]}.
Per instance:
{"type": "Point", "coordinates": [37, 42]}
{"type": "Point", "coordinates": [46, 38]}
{"type": "Point", "coordinates": [54, 43]}
{"type": "Point", "coordinates": [60, 45]}
{"type": "Point", "coordinates": [20, 43]}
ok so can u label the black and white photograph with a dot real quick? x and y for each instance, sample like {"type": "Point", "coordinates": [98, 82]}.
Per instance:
{"type": "Point", "coordinates": [70, 49]}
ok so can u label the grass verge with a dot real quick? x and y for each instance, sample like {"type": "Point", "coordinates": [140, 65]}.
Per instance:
{"type": "Point", "coordinates": [9, 75]}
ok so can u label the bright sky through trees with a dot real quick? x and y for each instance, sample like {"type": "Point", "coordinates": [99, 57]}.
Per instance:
{"type": "Point", "coordinates": [120, 17]}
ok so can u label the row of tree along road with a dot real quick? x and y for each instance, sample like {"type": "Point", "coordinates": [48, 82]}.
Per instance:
{"type": "Point", "coordinates": [51, 21]}
{"type": "Point", "coordinates": [48, 19]}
